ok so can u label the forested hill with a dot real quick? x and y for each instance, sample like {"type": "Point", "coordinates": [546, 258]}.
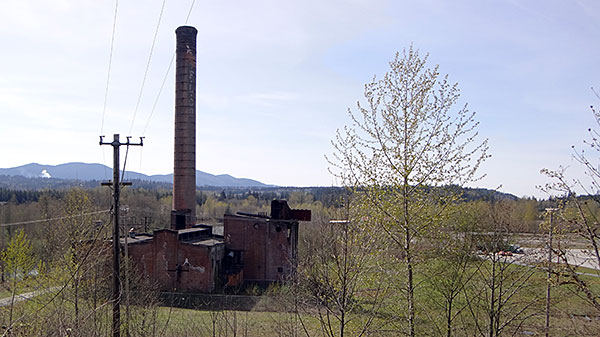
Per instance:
{"type": "Point", "coordinates": [20, 189]}
{"type": "Point", "coordinates": [470, 194]}
{"type": "Point", "coordinates": [20, 183]}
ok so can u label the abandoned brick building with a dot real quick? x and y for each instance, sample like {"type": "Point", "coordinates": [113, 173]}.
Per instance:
{"type": "Point", "coordinates": [252, 248]}
{"type": "Point", "coordinates": [189, 256]}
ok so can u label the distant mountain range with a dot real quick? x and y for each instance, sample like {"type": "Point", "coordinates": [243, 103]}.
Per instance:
{"type": "Point", "coordinates": [35, 177]}
{"type": "Point", "coordinates": [87, 172]}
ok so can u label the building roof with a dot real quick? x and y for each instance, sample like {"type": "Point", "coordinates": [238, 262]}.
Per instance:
{"type": "Point", "coordinates": [208, 242]}
{"type": "Point", "coordinates": [139, 238]}
{"type": "Point", "coordinates": [192, 230]}
{"type": "Point", "coordinates": [202, 236]}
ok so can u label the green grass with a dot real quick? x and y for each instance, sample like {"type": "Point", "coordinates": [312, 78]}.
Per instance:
{"type": "Point", "coordinates": [572, 315]}
{"type": "Point", "coordinates": [24, 286]}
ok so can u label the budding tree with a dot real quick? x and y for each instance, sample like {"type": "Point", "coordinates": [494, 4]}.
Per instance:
{"type": "Point", "coordinates": [580, 212]}
{"type": "Point", "coordinates": [19, 260]}
{"type": "Point", "coordinates": [407, 142]}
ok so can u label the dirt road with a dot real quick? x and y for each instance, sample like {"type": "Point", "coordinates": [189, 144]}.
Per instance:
{"type": "Point", "coordinates": [26, 296]}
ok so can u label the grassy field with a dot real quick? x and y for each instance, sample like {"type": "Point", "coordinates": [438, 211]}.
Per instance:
{"type": "Point", "coordinates": [571, 315]}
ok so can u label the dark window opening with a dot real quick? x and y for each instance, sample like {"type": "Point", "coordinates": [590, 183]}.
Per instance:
{"type": "Point", "coordinates": [180, 221]}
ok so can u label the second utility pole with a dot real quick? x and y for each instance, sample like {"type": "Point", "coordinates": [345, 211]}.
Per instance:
{"type": "Point", "coordinates": [116, 288]}
{"type": "Point", "coordinates": [548, 284]}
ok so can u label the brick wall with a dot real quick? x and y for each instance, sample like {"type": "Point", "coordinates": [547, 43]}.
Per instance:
{"type": "Point", "coordinates": [268, 253]}
{"type": "Point", "coordinates": [176, 265]}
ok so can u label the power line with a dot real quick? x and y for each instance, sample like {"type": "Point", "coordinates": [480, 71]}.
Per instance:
{"type": "Point", "coordinates": [141, 156]}
{"type": "Point", "coordinates": [148, 64]}
{"type": "Point", "coordinates": [190, 11]}
{"type": "Point", "coordinates": [125, 162]}
{"type": "Point", "coordinates": [166, 74]}
{"type": "Point", "coordinates": [112, 43]}
{"type": "Point", "coordinates": [159, 92]}
{"type": "Point", "coordinates": [52, 219]}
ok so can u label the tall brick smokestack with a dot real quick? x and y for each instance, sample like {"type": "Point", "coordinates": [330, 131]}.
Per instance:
{"type": "Point", "coordinates": [184, 175]}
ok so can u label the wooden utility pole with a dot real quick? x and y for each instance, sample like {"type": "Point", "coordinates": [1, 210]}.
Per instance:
{"type": "Point", "coordinates": [549, 276]}
{"type": "Point", "coordinates": [116, 287]}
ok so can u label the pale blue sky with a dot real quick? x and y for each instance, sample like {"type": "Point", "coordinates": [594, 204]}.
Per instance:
{"type": "Point", "coordinates": [275, 79]}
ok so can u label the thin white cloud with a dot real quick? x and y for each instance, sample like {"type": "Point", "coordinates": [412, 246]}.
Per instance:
{"type": "Point", "coordinates": [268, 98]}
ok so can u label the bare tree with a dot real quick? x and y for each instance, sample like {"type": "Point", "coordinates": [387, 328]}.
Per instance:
{"type": "Point", "coordinates": [580, 213]}
{"type": "Point", "coordinates": [450, 270]}
{"type": "Point", "coordinates": [502, 294]}
{"type": "Point", "coordinates": [344, 276]}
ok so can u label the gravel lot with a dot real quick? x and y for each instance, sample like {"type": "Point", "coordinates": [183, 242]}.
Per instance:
{"type": "Point", "coordinates": [578, 257]}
